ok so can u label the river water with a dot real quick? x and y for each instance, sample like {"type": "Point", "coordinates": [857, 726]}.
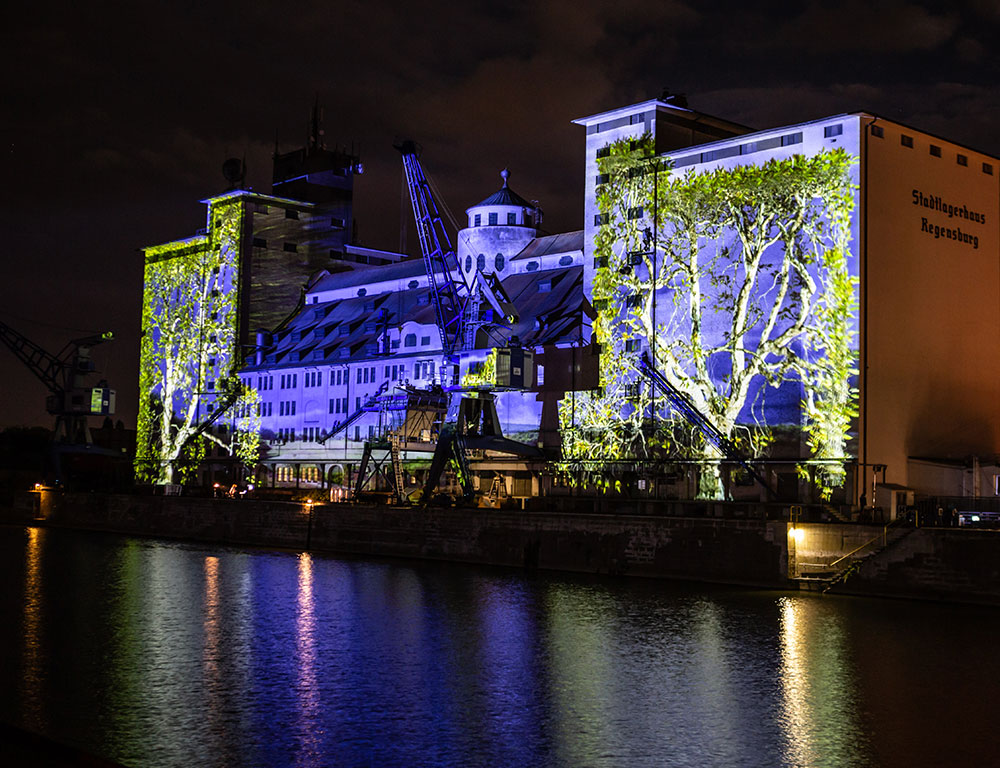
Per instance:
{"type": "Point", "coordinates": [158, 653]}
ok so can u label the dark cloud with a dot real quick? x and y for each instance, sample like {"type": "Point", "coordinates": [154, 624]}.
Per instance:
{"type": "Point", "coordinates": [117, 117]}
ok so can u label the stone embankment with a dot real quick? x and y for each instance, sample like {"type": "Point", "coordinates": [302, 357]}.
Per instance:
{"type": "Point", "coordinates": [947, 564]}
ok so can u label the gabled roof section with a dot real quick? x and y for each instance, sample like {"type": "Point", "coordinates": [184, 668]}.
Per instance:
{"type": "Point", "coordinates": [543, 246]}
{"type": "Point", "coordinates": [549, 304]}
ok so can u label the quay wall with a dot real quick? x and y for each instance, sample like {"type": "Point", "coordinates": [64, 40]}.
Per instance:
{"type": "Point", "coordinates": [933, 563]}
{"type": "Point", "coordinates": [958, 565]}
{"type": "Point", "coordinates": [735, 551]}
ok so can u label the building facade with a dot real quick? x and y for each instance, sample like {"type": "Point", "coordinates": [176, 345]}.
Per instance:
{"type": "Point", "coordinates": [819, 306]}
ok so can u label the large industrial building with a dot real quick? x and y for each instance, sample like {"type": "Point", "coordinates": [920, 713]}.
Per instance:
{"type": "Point", "coordinates": [818, 305]}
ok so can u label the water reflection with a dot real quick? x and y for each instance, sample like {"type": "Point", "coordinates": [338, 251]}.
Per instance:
{"type": "Point", "coordinates": [306, 687]}
{"type": "Point", "coordinates": [819, 707]}
{"type": "Point", "coordinates": [160, 654]}
{"type": "Point", "coordinates": [32, 675]}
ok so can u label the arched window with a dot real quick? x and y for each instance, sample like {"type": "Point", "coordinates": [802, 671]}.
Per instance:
{"type": "Point", "coordinates": [481, 262]}
{"type": "Point", "coordinates": [498, 262]}
{"type": "Point", "coordinates": [410, 340]}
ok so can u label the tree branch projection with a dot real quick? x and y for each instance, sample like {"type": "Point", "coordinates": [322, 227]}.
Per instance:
{"type": "Point", "coordinates": [188, 352]}
{"type": "Point", "coordinates": [737, 281]}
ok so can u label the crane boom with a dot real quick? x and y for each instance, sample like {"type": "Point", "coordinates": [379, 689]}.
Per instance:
{"type": "Point", "coordinates": [448, 292]}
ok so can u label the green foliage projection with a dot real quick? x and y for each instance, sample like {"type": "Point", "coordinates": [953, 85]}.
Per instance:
{"type": "Point", "coordinates": [748, 267]}
{"type": "Point", "coordinates": [188, 350]}
{"type": "Point", "coordinates": [484, 375]}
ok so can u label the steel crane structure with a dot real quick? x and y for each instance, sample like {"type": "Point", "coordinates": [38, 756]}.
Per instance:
{"type": "Point", "coordinates": [712, 434]}
{"type": "Point", "coordinates": [63, 374]}
{"type": "Point", "coordinates": [472, 422]}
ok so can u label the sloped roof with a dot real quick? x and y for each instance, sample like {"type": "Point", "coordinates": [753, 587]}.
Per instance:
{"type": "Point", "coordinates": [547, 317]}
{"type": "Point", "coordinates": [542, 246]}
{"type": "Point", "coordinates": [505, 196]}
{"type": "Point", "coordinates": [363, 274]}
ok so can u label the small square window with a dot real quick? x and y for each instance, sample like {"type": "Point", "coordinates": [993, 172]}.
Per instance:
{"type": "Point", "coordinates": [833, 130]}
{"type": "Point", "coordinates": [878, 131]}
{"type": "Point", "coordinates": [601, 219]}
{"type": "Point", "coordinates": [425, 341]}
{"type": "Point", "coordinates": [603, 152]}
{"type": "Point", "coordinates": [906, 141]}
{"type": "Point", "coordinates": [290, 247]}
{"type": "Point", "coordinates": [635, 213]}
{"type": "Point", "coordinates": [290, 214]}
{"type": "Point", "coordinates": [493, 219]}
{"type": "Point", "coordinates": [602, 178]}
{"type": "Point", "coordinates": [259, 242]}
{"type": "Point", "coordinates": [935, 150]}
{"type": "Point", "coordinates": [962, 160]}
{"type": "Point", "coordinates": [987, 169]}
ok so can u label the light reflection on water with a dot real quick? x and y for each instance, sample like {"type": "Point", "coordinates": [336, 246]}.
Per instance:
{"type": "Point", "coordinates": [163, 654]}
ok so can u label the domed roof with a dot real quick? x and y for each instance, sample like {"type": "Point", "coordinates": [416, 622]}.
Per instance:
{"type": "Point", "coordinates": [505, 196]}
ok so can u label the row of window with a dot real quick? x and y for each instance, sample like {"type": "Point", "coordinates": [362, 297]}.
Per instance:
{"type": "Point", "coordinates": [286, 408]}
{"type": "Point", "coordinates": [935, 150]}
{"type": "Point", "coordinates": [498, 262]}
{"type": "Point", "coordinates": [493, 220]}
{"type": "Point", "coordinates": [289, 380]}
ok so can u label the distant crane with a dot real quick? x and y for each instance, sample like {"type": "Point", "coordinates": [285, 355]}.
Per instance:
{"type": "Point", "coordinates": [70, 400]}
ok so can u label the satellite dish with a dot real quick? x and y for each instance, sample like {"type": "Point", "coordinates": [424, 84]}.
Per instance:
{"type": "Point", "coordinates": [233, 170]}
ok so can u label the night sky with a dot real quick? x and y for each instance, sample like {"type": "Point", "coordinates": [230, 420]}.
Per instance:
{"type": "Point", "coordinates": [117, 117]}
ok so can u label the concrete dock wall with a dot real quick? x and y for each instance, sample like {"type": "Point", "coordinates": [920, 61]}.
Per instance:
{"type": "Point", "coordinates": [740, 551]}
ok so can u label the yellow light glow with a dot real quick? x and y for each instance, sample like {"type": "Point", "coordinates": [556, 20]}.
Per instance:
{"type": "Point", "coordinates": [797, 533]}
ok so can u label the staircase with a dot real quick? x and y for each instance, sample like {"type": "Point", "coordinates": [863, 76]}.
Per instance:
{"type": "Point", "coordinates": [825, 577]}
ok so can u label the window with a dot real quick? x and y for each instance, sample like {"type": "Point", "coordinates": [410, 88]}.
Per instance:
{"type": "Point", "coordinates": [833, 130]}
{"type": "Point", "coordinates": [358, 370]}
{"type": "Point", "coordinates": [410, 340]}
{"type": "Point", "coordinates": [600, 261]}
{"type": "Point", "coordinates": [337, 223]}
{"type": "Point", "coordinates": [498, 262]}
{"type": "Point", "coordinates": [935, 150]}
{"type": "Point", "coordinates": [425, 341]}
{"type": "Point", "coordinates": [468, 263]}
{"type": "Point", "coordinates": [634, 300]}
{"type": "Point", "coordinates": [603, 152]}
{"type": "Point", "coordinates": [878, 132]}
{"type": "Point", "coordinates": [210, 384]}
{"type": "Point", "coordinates": [532, 266]}
{"type": "Point", "coordinates": [602, 178]}
{"type": "Point", "coordinates": [601, 219]}
{"type": "Point", "coordinates": [412, 284]}
{"type": "Point", "coordinates": [481, 262]}
{"type": "Point", "coordinates": [544, 286]}
{"type": "Point", "coordinates": [478, 220]}
{"type": "Point", "coordinates": [371, 373]}
{"type": "Point", "coordinates": [357, 403]}
{"type": "Point", "coordinates": [333, 405]}
{"type": "Point", "coordinates": [962, 159]}
{"type": "Point", "coordinates": [493, 219]}
{"type": "Point", "coordinates": [511, 219]}
{"type": "Point", "coordinates": [289, 247]}
{"type": "Point", "coordinates": [635, 213]}
{"type": "Point", "coordinates": [632, 345]}
{"type": "Point", "coordinates": [357, 433]}
{"type": "Point", "coordinates": [365, 376]}
{"type": "Point", "coordinates": [906, 141]}
{"type": "Point", "coordinates": [791, 138]}
{"type": "Point", "coordinates": [988, 169]}
{"type": "Point", "coordinates": [290, 214]}
{"type": "Point", "coordinates": [259, 242]}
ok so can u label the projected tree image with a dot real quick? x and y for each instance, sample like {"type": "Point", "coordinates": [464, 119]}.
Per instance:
{"type": "Point", "coordinates": [736, 281]}
{"type": "Point", "coordinates": [187, 352]}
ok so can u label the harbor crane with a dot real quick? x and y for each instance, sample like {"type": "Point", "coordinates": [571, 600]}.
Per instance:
{"type": "Point", "coordinates": [472, 422]}
{"type": "Point", "coordinates": [64, 374]}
